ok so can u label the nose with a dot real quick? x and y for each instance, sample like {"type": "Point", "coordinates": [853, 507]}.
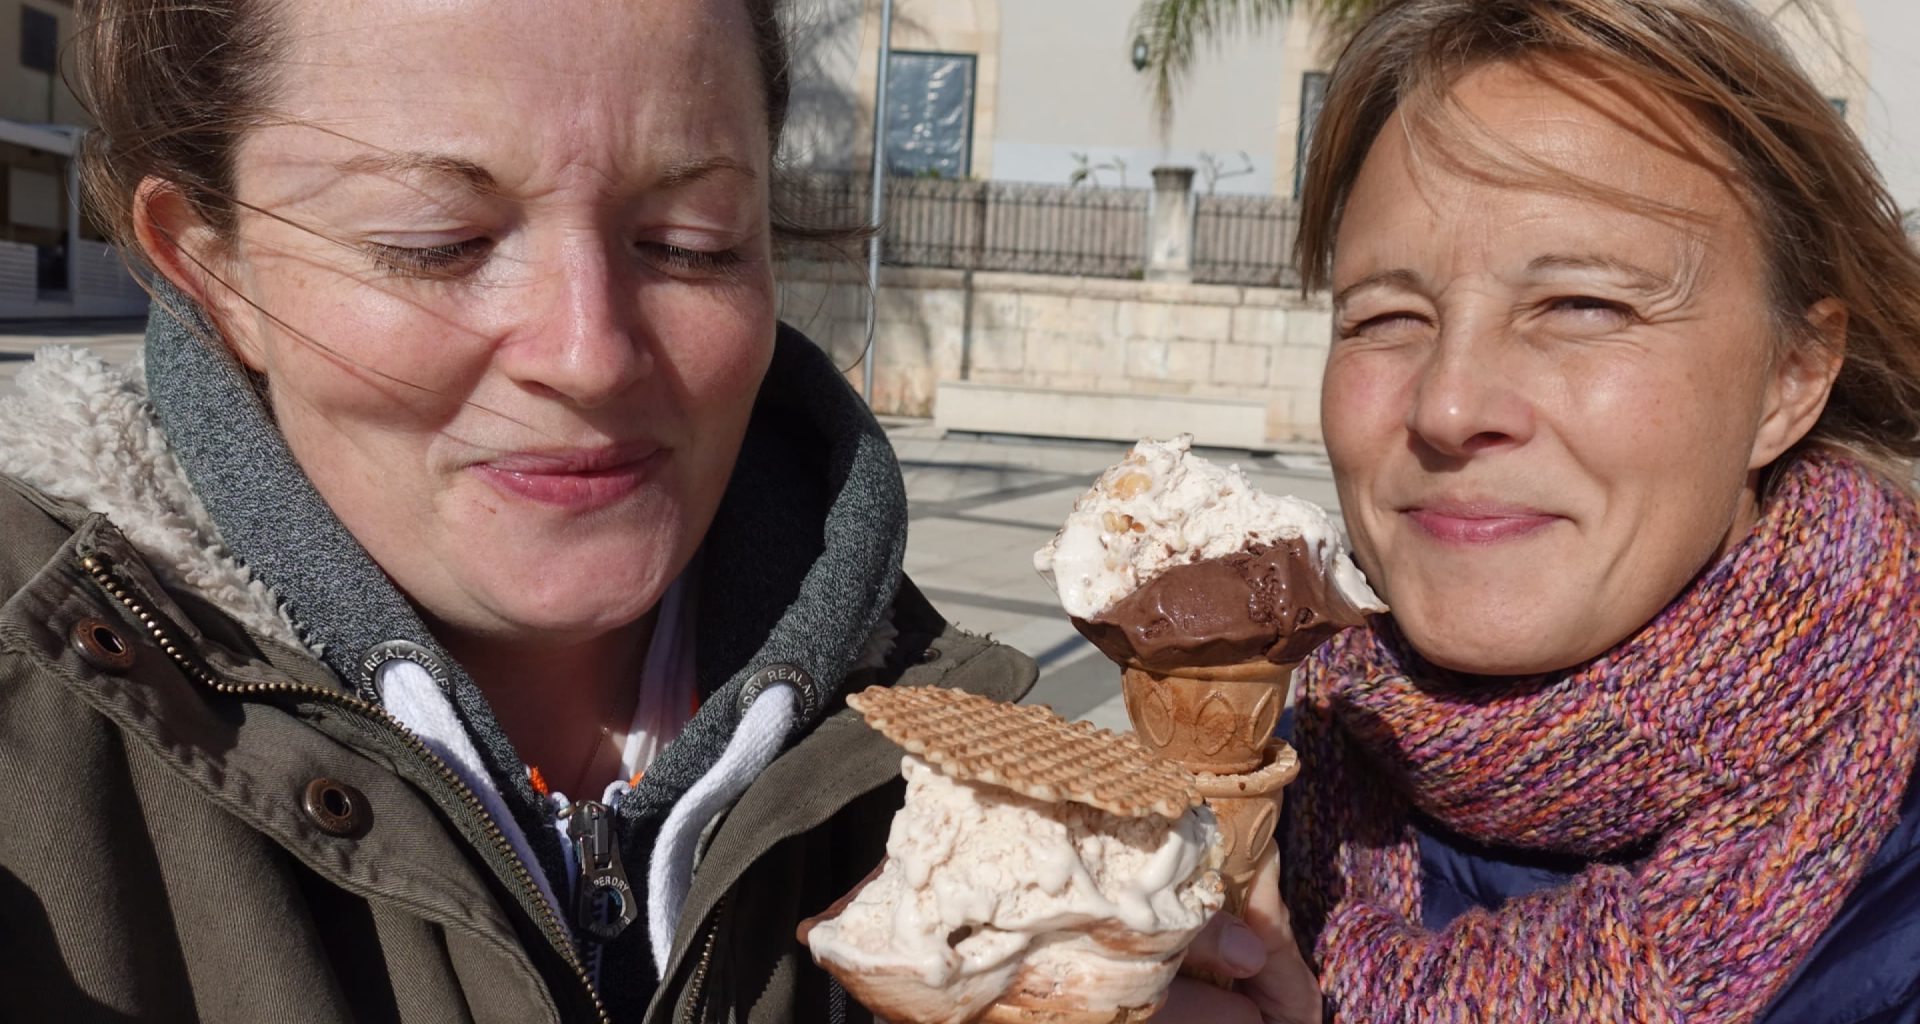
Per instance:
{"type": "Point", "coordinates": [1468, 398]}
{"type": "Point", "coordinates": [581, 340]}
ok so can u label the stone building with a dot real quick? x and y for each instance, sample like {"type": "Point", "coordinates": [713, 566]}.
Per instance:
{"type": "Point", "coordinates": [1035, 90]}
{"type": "Point", "coordinates": [53, 261]}
{"type": "Point", "coordinates": [1045, 91]}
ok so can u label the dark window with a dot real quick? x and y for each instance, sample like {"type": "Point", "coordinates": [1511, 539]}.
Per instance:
{"type": "Point", "coordinates": [930, 114]}
{"type": "Point", "coordinates": [39, 40]}
{"type": "Point", "coordinates": [1313, 96]}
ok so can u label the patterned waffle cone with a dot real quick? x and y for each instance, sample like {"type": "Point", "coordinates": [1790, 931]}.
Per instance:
{"type": "Point", "coordinates": [1217, 722]}
{"type": "Point", "coordinates": [1213, 719]}
{"type": "Point", "coordinates": [1247, 805]}
{"type": "Point", "coordinates": [1248, 808]}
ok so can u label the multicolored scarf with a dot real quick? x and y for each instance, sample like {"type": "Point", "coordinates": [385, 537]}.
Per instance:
{"type": "Point", "coordinates": [1748, 749]}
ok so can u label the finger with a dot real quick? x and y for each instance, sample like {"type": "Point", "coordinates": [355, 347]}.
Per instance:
{"type": "Point", "coordinates": [1226, 946]}
{"type": "Point", "coordinates": [1285, 989]}
{"type": "Point", "coordinates": [1265, 913]}
{"type": "Point", "coordinates": [1196, 1002]}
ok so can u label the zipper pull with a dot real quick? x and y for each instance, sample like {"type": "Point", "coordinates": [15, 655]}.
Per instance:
{"type": "Point", "coordinates": [602, 878]}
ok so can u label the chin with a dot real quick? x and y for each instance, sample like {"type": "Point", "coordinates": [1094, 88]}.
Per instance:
{"type": "Point", "coordinates": [577, 601]}
{"type": "Point", "coordinates": [1476, 639]}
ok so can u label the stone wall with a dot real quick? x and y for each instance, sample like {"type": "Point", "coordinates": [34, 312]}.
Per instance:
{"type": "Point", "coordinates": [1068, 338]}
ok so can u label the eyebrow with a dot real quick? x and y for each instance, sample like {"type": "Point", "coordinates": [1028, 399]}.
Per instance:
{"type": "Point", "coordinates": [1639, 277]}
{"type": "Point", "coordinates": [693, 169]}
{"type": "Point", "coordinates": [478, 180]}
{"type": "Point", "coordinates": [475, 177]}
{"type": "Point", "coordinates": [1400, 278]}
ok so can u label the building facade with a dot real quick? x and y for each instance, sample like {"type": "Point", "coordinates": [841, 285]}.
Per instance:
{"type": "Point", "coordinates": [53, 261]}
{"type": "Point", "coordinates": [1045, 91]}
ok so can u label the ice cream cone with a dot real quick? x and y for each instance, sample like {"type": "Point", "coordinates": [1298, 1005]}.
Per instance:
{"type": "Point", "coordinates": [1214, 719]}
{"type": "Point", "coordinates": [1033, 1013]}
{"type": "Point", "coordinates": [1247, 807]}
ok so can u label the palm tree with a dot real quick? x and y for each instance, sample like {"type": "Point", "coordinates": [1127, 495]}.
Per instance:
{"type": "Point", "coordinates": [1175, 29]}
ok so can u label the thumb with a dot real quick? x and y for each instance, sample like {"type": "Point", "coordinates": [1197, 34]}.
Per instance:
{"type": "Point", "coordinates": [1285, 988]}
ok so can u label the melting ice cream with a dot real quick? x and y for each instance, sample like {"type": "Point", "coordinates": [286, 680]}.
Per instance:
{"type": "Point", "coordinates": [1170, 560]}
{"type": "Point", "coordinates": [986, 892]}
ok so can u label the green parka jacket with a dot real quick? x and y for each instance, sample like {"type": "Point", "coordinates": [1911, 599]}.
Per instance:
{"type": "Point", "coordinates": [200, 822]}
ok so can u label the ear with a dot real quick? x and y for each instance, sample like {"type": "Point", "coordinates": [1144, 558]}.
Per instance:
{"type": "Point", "coordinates": [178, 241]}
{"type": "Point", "coordinates": [187, 251]}
{"type": "Point", "coordinates": [1802, 378]}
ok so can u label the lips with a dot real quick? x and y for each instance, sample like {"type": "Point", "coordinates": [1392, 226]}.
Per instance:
{"type": "Point", "coordinates": [1477, 522]}
{"type": "Point", "coordinates": [577, 479]}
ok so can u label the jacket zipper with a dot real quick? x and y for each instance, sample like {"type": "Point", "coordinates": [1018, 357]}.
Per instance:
{"type": "Point", "coordinates": [602, 876]}
{"type": "Point", "coordinates": [696, 986]}
{"type": "Point", "coordinates": [98, 567]}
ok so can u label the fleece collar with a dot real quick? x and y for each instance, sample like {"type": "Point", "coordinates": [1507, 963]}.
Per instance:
{"type": "Point", "coordinates": [80, 429]}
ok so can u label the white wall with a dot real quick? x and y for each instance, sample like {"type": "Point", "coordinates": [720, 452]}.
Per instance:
{"type": "Point", "coordinates": [1068, 85]}
{"type": "Point", "coordinates": [827, 124]}
{"type": "Point", "coordinates": [1893, 103]}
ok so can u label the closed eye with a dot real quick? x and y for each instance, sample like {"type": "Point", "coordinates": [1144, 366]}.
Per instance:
{"type": "Point", "coordinates": [1396, 324]}
{"type": "Point", "coordinates": [1590, 304]}
{"type": "Point", "coordinates": [432, 262]}
{"type": "Point", "coordinates": [690, 262]}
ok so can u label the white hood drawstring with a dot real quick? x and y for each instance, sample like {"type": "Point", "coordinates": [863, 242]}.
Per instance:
{"type": "Point", "coordinates": [412, 696]}
{"type": "Point", "coordinates": [759, 739]}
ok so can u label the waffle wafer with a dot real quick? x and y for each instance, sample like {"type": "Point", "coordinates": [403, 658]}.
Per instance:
{"type": "Point", "coordinates": [1028, 749]}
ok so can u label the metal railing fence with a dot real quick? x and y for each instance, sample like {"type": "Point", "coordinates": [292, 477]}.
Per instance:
{"type": "Point", "coordinates": [1043, 229]}
{"type": "Point", "coordinates": [1245, 240]}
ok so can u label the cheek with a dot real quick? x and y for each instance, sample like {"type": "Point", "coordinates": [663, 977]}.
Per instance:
{"type": "Point", "coordinates": [363, 346]}
{"type": "Point", "coordinates": [717, 348]}
{"type": "Point", "coordinates": [1363, 397]}
{"type": "Point", "coordinates": [1689, 406]}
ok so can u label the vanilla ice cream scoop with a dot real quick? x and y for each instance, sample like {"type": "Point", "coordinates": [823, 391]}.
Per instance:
{"type": "Point", "coordinates": [1163, 507]}
{"type": "Point", "coordinates": [986, 892]}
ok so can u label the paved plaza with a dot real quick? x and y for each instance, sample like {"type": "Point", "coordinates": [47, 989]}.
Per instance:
{"type": "Point", "coordinates": [981, 506]}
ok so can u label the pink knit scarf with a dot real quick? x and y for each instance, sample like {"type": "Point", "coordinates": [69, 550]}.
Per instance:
{"type": "Point", "coordinates": [1754, 741]}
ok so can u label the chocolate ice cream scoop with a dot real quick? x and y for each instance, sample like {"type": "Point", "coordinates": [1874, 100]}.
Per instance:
{"type": "Point", "coordinates": [1271, 602]}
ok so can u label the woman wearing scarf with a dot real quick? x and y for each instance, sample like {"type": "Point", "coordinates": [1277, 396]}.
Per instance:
{"type": "Point", "coordinates": [1621, 406]}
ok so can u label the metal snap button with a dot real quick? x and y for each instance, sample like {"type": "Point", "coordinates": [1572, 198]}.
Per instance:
{"type": "Point", "coordinates": [930, 655]}
{"type": "Point", "coordinates": [102, 645]}
{"type": "Point", "coordinates": [399, 650]}
{"type": "Point", "coordinates": [782, 673]}
{"type": "Point", "coordinates": [337, 808]}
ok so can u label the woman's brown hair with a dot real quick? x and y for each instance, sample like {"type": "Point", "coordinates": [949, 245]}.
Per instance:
{"type": "Point", "coordinates": [1828, 225]}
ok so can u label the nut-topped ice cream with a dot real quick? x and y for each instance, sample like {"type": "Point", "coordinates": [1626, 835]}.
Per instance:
{"type": "Point", "coordinates": [1170, 561]}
